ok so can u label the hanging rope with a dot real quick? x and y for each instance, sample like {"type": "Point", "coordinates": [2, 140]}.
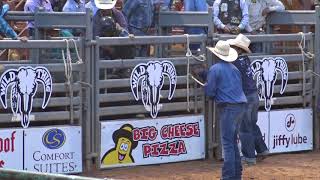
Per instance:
{"type": "Point", "coordinates": [68, 74]}
{"type": "Point", "coordinates": [189, 55]}
{"type": "Point", "coordinates": [302, 46]}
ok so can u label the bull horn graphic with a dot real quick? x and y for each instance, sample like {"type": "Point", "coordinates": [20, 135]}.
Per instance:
{"type": "Point", "coordinates": [152, 76]}
{"type": "Point", "coordinates": [266, 72]}
{"type": "Point", "coordinates": [25, 81]}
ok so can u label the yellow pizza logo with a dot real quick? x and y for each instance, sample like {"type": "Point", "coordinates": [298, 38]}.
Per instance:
{"type": "Point", "coordinates": [124, 144]}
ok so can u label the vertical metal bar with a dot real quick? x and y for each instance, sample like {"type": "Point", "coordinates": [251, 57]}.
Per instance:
{"type": "Point", "coordinates": [210, 131]}
{"type": "Point", "coordinates": [210, 22]}
{"type": "Point", "coordinates": [316, 124]}
{"type": "Point", "coordinates": [97, 101]}
{"type": "Point", "coordinates": [87, 125]}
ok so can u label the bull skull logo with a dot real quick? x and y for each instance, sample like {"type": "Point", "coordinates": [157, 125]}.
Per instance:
{"type": "Point", "coordinates": [152, 78]}
{"type": "Point", "coordinates": [25, 83]}
{"type": "Point", "coordinates": [266, 71]}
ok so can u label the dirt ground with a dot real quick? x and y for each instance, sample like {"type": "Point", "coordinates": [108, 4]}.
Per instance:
{"type": "Point", "coordinates": [295, 166]}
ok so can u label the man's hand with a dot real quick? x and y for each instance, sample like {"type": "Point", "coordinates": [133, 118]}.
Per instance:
{"type": "Point", "coordinates": [131, 36]}
{"type": "Point", "coordinates": [235, 30]}
{"type": "Point", "coordinates": [266, 11]}
{"type": "Point", "coordinates": [226, 29]}
{"type": "Point", "coordinates": [254, 32]}
{"type": "Point", "coordinates": [23, 39]}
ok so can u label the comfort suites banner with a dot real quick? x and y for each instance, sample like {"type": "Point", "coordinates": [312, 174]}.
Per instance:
{"type": "Point", "coordinates": [53, 150]}
{"type": "Point", "coordinates": [153, 141]}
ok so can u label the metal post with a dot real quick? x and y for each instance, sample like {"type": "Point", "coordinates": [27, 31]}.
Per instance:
{"type": "Point", "coordinates": [316, 124]}
{"type": "Point", "coordinates": [87, 111]}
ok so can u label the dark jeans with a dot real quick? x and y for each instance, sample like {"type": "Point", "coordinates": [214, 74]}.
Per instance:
{"type": "Point", "coordinates": [230, 116]}
{"type": "Point", "coordinates": [256, 47]}
{"type": "Point", "coordinates": [250, 134]}
{"type": "Point", "coordinates": [142, 50]}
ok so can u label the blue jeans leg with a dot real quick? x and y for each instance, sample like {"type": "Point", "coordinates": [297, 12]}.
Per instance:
{"type": "Point", "coordinates": [250, 134]}
{"type": "Point", "coordinates": [142, 50]}
{"type": "Point", "coordinates": [247, 125]}
{"type": "Point", "coordinates": [230, 117]}
{"type": "Point", "coordinates": [195, 5]}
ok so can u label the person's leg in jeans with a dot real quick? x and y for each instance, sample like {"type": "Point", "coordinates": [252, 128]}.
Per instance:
{"type": "Point", "coordinates": [195, 5]}
{"type": "Point", "coordinates": [247, 137]}
{"type": "Point", "coordinates": [260, 145]}
{"type": "Point", "coordinates": [142, 50]}
{"type": "Point", "coordinates": [230, 116]}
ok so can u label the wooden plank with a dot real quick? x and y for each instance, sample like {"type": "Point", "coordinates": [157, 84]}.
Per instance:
{"type": "Point", "coordinates": [288, 57]}
{"type": "Point", "coordinates": [180, 93]}
{"type": "Point", "coordinates": [44, 116]}
{"type": "Point", "coordinates": [54, 102]}
{"type": "Point", "coordinates": [288, 100]}
{"type": "Point", "coordinates": [60, 87]}
{"type": "Point", "coordinates": [128, 63]}
{"type": "Point", "coordinates": [116, 97]}
{"type": "Point", "coordinates": [117, 83]}
{"type": "Point", "coordinates": [57, 67]}
{"type": "Point", "coordinates": [292, 88]}
{"type": "Point", "coordinates": [135, 109]}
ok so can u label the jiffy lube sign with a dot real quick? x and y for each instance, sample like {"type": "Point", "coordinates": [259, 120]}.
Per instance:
{"type": "Point", "coordinates": [152, 141]}
{"type": "Point", "coordinates": [11, 149]}
{"type": "Point", "coordinates": [291, 130]}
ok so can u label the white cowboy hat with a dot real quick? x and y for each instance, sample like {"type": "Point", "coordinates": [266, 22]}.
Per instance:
{"type": "Point", "coordinates": [223, 51]}
{"type": "Point", "coordinates": [241, 41]}
{"type": "Point", "coordinates": [105, 4]}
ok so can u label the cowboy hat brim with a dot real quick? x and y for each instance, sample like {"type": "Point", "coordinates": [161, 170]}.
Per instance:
{"type": "Point", "coordinates": [233, 42]}
{"type": "Point", "coordinates": [232, 56]}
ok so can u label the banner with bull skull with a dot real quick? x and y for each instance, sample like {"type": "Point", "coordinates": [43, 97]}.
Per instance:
{"type": "Point", "coordinates": [151, 76]}
{"type": "Point", "coordinates": [24, 82]}
{"type": "Point", "coordinates": [266, 71]}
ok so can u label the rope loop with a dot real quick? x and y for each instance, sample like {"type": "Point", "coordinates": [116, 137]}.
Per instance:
{"type": "Point", "coordinates": [200, 58]}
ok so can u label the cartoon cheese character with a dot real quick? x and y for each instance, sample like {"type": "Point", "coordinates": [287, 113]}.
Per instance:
{"type": "Point", "coordinates": [124, 145]}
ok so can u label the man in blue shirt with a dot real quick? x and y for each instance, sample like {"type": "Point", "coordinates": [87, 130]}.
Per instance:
{"type": "Point", "coordinates": [250, 134]}
{"type": "Point", "coordinates": [139, 14]}
{"type": "Point", "coordinates": [225, 87]}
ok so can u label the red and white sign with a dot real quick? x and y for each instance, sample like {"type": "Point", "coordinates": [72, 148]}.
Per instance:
{"type": "Point", "coordinates": [153, 141]}
{"type": "Point", "coordinates": [11, 149]}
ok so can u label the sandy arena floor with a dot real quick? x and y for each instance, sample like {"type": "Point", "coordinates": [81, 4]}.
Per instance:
{"type": "Point", "coordinates": [277, 167]}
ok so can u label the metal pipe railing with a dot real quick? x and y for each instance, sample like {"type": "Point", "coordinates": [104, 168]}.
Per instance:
{"type": "Point", "coordinates": [10, 174]}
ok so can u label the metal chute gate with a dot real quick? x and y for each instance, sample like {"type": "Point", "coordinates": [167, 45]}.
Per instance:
{"type": "Point", "coordinates": [90, 98]}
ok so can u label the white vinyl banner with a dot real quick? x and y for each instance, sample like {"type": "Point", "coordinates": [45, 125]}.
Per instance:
{"type": "Point", "coordinates": [291, 130]}
{"type": "Point", "coordinates": [263, 124]}
{"type": "Point", "coordinates": [153, 141]}
{"type": "Point", "coordinates": [53, 149]}
{"type": "Point", "coordinates": [11, 149]}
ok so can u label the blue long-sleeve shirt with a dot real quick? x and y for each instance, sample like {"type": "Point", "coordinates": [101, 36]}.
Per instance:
{"type": "Point", "coordinates": [245, 15]}
{"type": "Point", "coordinates": [4, 26]}
{"type": "Point", "coordinates": [224, 84]}
{"type": "Point", "coordinates": [73, 6]}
